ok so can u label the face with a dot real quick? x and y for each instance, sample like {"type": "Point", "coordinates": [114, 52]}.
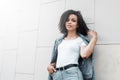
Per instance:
{"type": "Point", "coordinates": [71, 23]}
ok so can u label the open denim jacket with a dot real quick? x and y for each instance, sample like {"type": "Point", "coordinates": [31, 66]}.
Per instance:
{"type": "Point", "coordinates": [85, 65]}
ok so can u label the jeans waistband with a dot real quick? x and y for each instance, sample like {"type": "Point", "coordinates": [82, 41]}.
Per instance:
{"type": "Point", "coordinates": [66, 67]}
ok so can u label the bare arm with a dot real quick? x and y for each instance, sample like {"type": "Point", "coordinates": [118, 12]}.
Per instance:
{"type": "Point", "coordinates": [86, 51]}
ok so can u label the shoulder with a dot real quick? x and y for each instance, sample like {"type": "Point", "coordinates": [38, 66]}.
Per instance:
{"type": "Point", "coordinates": [84, 38]}
{"type": "Point", "coordinates": [59, 39]}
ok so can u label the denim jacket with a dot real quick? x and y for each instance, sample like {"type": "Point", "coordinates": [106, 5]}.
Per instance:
{"type": "Point", "coordinates": [85, 65]}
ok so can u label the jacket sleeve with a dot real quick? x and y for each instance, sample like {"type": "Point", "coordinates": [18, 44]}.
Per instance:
{"type": "Point", "coordinates": [50, 77]}
{"type": "Point", "coordinates": [86, 65]}
{"type": "Point", "coordinates": [53, 57]}
{"type": "Point", "coordinates": [54, 53]}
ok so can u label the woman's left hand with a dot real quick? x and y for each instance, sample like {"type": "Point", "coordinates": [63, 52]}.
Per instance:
{"type": "Point", "coordinates": [93, 34]}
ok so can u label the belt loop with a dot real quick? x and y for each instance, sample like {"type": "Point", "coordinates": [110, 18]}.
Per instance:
{"type": "Point", "coordinates": [63, 68]}
{"type": "Point", "coordinates": [58, 69]}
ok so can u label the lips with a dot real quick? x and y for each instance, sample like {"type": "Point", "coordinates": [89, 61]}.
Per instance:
{"type": "Point", "coordinates": [69, 25]}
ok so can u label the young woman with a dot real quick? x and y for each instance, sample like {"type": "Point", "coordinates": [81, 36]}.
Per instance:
{"type": "Point", "coordinates": [72, 46]}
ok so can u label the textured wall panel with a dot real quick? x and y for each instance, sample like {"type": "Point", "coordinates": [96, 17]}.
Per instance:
{"type": "Point", "coordinates": [42, 60]}
{"type": "Point", "coordinates": [107, 62]}
{"type": "Point", "coordinates": [24, 77]}
{"type": "Point", "coordinates": [9, 23]}
{"type": "Point", "coordinates": [8, 65]}
{"type": "Point", "coordinates": [26, 52]}
{"type": "Point", "coordinates": [29, 14]}
{"type": "Point", "coordinates": [50, 15]}
{"type": "Point", "coordinates": [107, 21]}
{"type": "Point", "coordinates": [10, 37]}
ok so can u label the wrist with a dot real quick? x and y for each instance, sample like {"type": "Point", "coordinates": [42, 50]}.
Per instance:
{"type": "Point", "coordinates": [53, 64]}
{"type": "Point", "coordinates": [94, 38]}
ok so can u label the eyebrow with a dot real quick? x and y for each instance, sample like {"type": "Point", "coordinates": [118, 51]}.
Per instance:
{"type": "Point", "coordinates": [72, 18]}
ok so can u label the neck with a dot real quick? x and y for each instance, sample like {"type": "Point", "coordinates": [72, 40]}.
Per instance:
{"type": "Point", "coordinates": [72, 34]}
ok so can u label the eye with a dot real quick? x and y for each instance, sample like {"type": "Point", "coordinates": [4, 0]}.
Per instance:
{"type": "Point", "coordinates": [74, 20]}
{"type": "Point", "coordinates": [67, 20]}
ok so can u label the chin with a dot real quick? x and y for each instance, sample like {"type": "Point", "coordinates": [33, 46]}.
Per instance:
{"type": "Point", "coordinates": [69, 28]}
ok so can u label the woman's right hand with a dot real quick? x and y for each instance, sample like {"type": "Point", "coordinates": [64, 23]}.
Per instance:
{"type": "Point", "coordinates": [51, 69]}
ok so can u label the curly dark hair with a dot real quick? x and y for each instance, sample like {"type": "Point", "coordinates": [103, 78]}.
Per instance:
{"type": "Point", "coordinates": [82, 27]}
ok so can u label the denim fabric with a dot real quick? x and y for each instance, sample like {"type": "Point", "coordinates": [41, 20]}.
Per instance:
{"type": "Point", "coordinates": [72, 73]}
{"type": "Point", "coordinates": [85, 65]}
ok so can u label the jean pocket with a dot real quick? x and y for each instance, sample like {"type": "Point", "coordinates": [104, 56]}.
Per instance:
{"type": "Point", "coordinates": [53, 74]}
{"type": "Point", "coordinates": [72, 70]}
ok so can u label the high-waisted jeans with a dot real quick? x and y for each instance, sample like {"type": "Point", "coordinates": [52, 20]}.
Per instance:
{"type": "Point", "coordinates": [72, 73]}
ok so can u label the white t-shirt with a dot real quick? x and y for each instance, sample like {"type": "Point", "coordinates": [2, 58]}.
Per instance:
{"type": "Point", "coordinates": [69, 52]}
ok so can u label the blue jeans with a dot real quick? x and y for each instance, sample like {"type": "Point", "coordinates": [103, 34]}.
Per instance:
{"type": "Point", "coordinates": [72, 73]}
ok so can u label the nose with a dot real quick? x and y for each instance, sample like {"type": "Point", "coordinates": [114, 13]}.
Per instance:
{"type": "Point", "coordinates": [69, 21]}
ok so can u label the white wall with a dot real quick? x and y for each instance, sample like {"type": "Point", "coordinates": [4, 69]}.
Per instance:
{"type": "Point", "coordinates": [28, 29]}
{"type": "Point", "coordinates": [19, 21]}
{"type": "Point", "coordinates": [107, 57]}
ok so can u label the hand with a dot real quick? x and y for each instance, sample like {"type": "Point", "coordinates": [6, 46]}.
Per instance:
{"type": "Point", "coordinates": [51, 69]}
{"type": "Point", "coordinates": [93, 34]}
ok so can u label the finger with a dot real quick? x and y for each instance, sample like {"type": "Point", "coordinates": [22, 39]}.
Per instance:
{"type": "Point", "coordinates": [53, 69]}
